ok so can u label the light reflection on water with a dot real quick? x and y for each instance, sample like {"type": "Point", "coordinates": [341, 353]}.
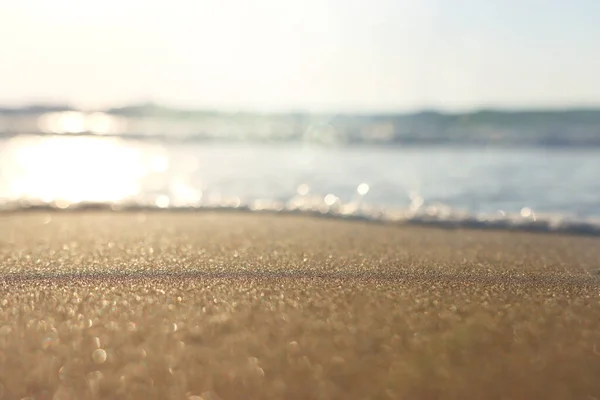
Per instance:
{"type": "Point", "coordinates": [76, 169]}
{"type": "Point", "coordinates": [66, 170]}
{"type": "Point", "coordinates": [80, 122]}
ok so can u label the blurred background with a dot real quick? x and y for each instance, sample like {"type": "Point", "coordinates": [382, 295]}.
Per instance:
{"type": "Point", "coordinates": [431, 110]}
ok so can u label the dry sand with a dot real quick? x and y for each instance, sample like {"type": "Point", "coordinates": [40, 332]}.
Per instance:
{"type": "Point", "coordinates": [241, 306]}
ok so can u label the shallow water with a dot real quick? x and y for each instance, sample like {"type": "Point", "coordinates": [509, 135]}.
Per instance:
{"type": "Point", "coordinates": [552, 188]}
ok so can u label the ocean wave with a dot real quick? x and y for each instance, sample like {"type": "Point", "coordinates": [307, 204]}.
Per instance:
{"type": "Point", "coordinates": [554, 129]}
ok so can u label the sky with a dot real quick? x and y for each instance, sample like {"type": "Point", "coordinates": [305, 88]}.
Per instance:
{"type": "Point", "coordinates": [337, 55]}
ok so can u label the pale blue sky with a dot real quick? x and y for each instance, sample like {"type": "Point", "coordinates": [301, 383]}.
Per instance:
{"type": "Point", "coordinates": [305, 54]}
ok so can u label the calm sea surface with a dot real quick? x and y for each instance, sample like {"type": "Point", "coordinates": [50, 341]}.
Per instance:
{"type": "Point", "coordinates": [438, 182]}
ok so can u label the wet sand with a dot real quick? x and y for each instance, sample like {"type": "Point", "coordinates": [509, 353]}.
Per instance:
{"type": "Point", "coordinates": [225, 305]}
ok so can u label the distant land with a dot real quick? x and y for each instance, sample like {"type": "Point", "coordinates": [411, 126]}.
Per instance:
{"type": "Point", "coordinates": [568, 127]}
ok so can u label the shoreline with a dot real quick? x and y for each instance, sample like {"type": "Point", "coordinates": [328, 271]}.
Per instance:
{"type": "Point", "coordinates": [583, 228]}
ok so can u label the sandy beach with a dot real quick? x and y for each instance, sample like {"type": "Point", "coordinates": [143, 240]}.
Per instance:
{"type": "Point", "coordinates": [228, 305]}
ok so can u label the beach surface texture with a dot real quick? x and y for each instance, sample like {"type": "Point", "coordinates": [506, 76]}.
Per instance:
{"type": "Point", "coordinates": [233, 305]}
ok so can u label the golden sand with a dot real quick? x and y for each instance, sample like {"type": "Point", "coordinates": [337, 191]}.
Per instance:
{"type": "Point", "coordinates": [245, 306]}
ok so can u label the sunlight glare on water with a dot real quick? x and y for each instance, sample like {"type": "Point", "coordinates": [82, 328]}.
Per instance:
{"type": "Point", "coordinates": [74, 169]}
{"type": "Point", "coordinates": [543, 189]}
{"type": "Point", "coordinates": [79, 122]}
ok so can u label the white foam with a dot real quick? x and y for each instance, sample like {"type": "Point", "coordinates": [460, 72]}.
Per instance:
{"type": "Point", "coordinates": [430, 215]}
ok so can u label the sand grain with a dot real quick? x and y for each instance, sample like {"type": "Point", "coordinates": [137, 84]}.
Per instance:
{"type": "Point", "coordinates": [241, 306]}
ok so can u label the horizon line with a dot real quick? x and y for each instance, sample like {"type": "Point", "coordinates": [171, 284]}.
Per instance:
{"type": "Point", "coordinates": [242, 110]}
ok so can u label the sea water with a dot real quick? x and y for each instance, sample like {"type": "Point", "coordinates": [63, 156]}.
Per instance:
{"type": "Point", "coordinates": [554, 188]}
